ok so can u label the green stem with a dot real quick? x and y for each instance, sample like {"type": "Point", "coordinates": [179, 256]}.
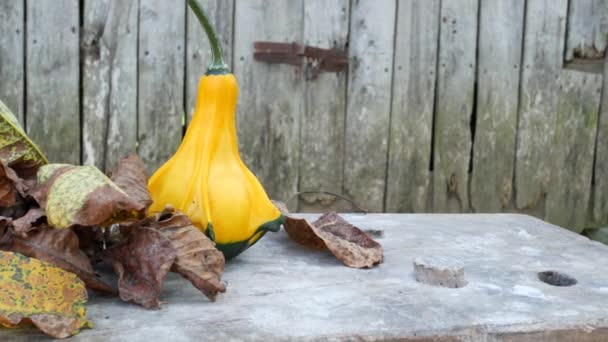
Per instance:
{"type": "Point", "coordinates": [217, 66]}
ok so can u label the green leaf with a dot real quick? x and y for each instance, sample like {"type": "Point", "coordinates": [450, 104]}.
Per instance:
{"type": "Point", "coordinates": [16, 149]}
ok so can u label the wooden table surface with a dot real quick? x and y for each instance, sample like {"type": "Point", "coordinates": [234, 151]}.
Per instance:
{"type": "Point", "coordinates": [280, 291]}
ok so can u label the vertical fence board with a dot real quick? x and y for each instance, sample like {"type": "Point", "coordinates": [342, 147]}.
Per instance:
{"type": "Point", "coordinates": [271, 95]}
{"type": "Point", "coordinates": [197, 45]}
{"type": "Point", "coordinates": [572, 149]}
{"type": "Point", "coordinates": [52, 78]}
{"type": "Point", "coordinates": [372, 30]}
{"type": "Point", "coordinates": [599, 212]}
{"type": "Point", "coordinates": [454, 105]}
{"type": "Point", "coordinates": [109, 81]}
{"type": "Point", "coordinates": [542, 61]}
{"type": "Point", "coordinates": [587, 34]}
{"type": "Point", "coordinates": [413, 95]}
{"type": "Point", "coordinates": [12, 77]}
{"type": "Point", "coordinates": [161, 79]}
{"type": "Point", "coordinates": [498, 71]}
{"type": "Point", "coordinates": [325, 26]}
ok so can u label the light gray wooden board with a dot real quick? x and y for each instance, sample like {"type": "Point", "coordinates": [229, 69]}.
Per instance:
{"type": "Point", "coordinates": [161, 79]}
{"type": "Point", "coordinates": [109, 81]}
{"type": "Point", "coordinates": [587, 34]}
{"type": "Point", "coordinates": [280, 291]}
{"type": "Point", "coordinates": [572, 149]}
{"type": "Point", "coordinates": [52, 78]}
{"type": "Point", "coordinates": [599, 212]}
{"type": "Point", "coordinates": [542, 61]}
{"type": "Point", "coordinates": [12, 49]}
{"type": "Point", "coordinates": [413, 94]}
{"type": "Point", "coordinates": [197, 45]}
{"type": "Point", "coordinates": [322, 125]}
{"type": "Point", "coordinates": [498, 71]}
{"type": "Point", "coordinates": [454, 105]}
{"type": "Point", "coordinates": [271, 96]}
{"type": "Point", "coordinates": [371, 48]}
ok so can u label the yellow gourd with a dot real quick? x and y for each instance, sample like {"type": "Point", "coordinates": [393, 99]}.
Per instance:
{"type": "Point", "coordinates": [206, 178]}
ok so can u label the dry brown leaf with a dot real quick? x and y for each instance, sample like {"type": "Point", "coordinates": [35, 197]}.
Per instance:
{"type": "Point", "coordinates": [51, 298]}
{"type": "Point", "coordinates": [11, 186]}
{"type": "Point", "coordinates": [82, 196]}
{"type": "Point", "coordinates": [60, 248]}
{"type": "Point", "coordinates": [33, 218]}
{"type": "Point", "coordinates": [197, 258]}
{"type": "Point", "coordinates": [349, 244]}
{"type": "Point", "coordinates": [299, 230]}
{"type": "Point", "coordinates": [130, 175]}
{"type": "Point", "coordinates": [142, 264]}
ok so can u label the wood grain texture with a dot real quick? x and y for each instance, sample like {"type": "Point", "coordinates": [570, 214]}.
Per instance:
{"type": "Point", "coordinates": [160, 79]}
{"type": "Point", "coordinates": [198, 53]}
{"type": "Point", "coordinates": [271, 97]}
{"type": "Point", "coordinates": [542, 61]}
{"type": "Point", "coordinates": [587, 33]}
{"type": "Point", "coordinates": [454, 105]}
{"type": "Point", "coordinates": [109, 81]}
{"type": "Point", "coordinates": [372, 30]}
{"type": "Point", "coordinates": [53, 80]}
{"type": "Point", "coordinates": [12, 52]}
{"type": "Point", "coordinates": [322, 125]}
{"type": "Point", "coordinates": [599, 212]}
{"type": "Point", "coordinates": [572, 149]}
{"type": "Point", "coordinates": [498, 73]}
{"type": "Point", "coordinates": [413, 96]}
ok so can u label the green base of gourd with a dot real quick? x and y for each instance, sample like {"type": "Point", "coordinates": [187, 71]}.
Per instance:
{"type": "Point", "coordinates": [232, 249]}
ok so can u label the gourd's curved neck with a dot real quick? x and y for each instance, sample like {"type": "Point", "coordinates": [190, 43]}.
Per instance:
{"type": "Point", "coordinates": [217, 66]}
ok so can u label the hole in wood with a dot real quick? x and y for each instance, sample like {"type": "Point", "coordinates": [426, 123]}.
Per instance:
{"type": "Point", "coordinates": [556, 278]}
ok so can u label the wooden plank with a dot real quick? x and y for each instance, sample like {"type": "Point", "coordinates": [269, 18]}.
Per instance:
{"type": "Point", "coordinates": [599, 212]}
{"type": "Point", "coordinates": [198, 54]}
{"type": "Point", "coordinates": [372, 30]}
{"type": "Point", "coordinates": [572, 149]}
{"type": "Point", "coordinates": [271, 95]}
{"type": "Point", "coordinates": [542, 61]}
{"type": "Point", "coordinates": [413, 95]}
{"type": "Point", "coordinates": [109, 81]}
{"type": "Point", "coordinates": [322, 144]}
{"type": "Point", "coordinates": [12, 48]}
{"type": "Point", "coordinates": [498, 72]}
{"type": "Point", "coordinates": [53, 104]}
{"type": "Point", "coordinates": [587, 34]}
{"type": "Point", "coordinates": [161, 79]}
{"type": "Point", "coordinates": [454, 105]}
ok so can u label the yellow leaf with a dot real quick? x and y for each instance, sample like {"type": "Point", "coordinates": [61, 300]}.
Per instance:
{"type": "Point", "coordinates": [34, 291]}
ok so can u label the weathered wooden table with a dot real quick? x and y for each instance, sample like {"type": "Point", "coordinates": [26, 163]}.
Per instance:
{"type": "Point", "coordinates": [280, 291]}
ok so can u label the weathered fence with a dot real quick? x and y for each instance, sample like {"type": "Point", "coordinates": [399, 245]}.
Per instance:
{"type": "Point", "coordinates": [446, 105]}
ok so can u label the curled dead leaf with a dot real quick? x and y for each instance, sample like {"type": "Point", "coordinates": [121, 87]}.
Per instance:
{"type": "Point", "coordinates": [299, 230]}
{"type": "Point", "coordinates": [130, 175]}
{"type": "Point", "coordinates": [58, 247]}
{"type": "Point", "coordinates": [11, 186]}
{"type": "Point", "coordinates": [51, 298]}
{"type": "Point", "coordinates": [349, 244]}
{"type": "Point", "coordinates": [83, 196]}
{"type": "Point", "coordinates": [197, 258]}
{"type": "Point", "coordinates": [33, 218]}
{"type": "Point", "coordinates": [142, 264]}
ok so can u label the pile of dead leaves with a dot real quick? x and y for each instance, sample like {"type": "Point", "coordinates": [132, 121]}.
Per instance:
{"type": "Point", "coordinates": [73, 218]}
{"type": "Point", "coordinates": [60, 223]}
